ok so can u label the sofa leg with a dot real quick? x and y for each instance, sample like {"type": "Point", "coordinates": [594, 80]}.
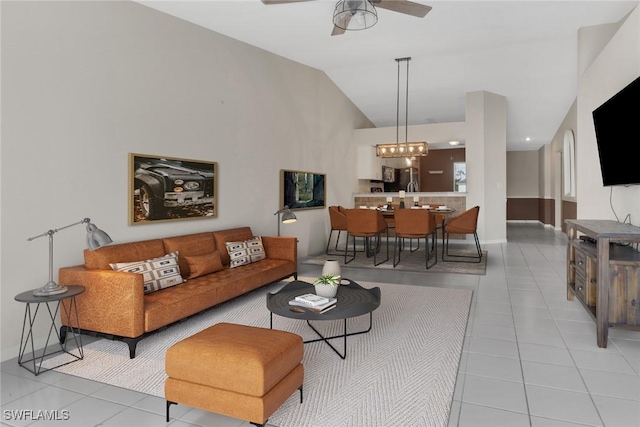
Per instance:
{"type": "Point", "coordinates": [295, 276]}
{"type": "Point", "coordinates": [63, 334]}
{"type": "Point", "coordinates": [132, 343]}
{"type": "Point", "coordinates": [169, 403]}
{"type": "Point", "coordinates": [256, 424]}
{"type": "Point", "coordinates": [300, 388]}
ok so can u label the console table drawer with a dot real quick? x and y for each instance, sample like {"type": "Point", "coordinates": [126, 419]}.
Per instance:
{"type": "Point", "coordinates": [581, 263]}
{"type": "Point", "coordinates": [581, 287]}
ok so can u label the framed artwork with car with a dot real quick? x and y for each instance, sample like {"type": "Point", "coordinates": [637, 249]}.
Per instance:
{"type": "Point", "coordinates": [169, 188]}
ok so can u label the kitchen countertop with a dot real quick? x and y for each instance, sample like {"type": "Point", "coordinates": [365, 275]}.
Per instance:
{"type": "Point", "coordinates": [412, 194]}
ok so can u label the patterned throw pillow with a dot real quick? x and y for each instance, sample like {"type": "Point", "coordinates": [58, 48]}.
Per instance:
{"type": "Point", "coordinates": [200, 265]}
{"type": "Point", "coordinates": [159, 273]}
{"type": "Point", "coordinates": [245, 252]}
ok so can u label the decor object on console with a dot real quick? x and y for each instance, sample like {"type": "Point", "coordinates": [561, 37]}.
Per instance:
{"type": "Point", "coordinates": [302, 190]}
{"type": "Point", "coordinates": [327, 285]}
{"type": "Point", "coordinates": [405, 149]}
{"type": "Point", "coordinates": [165, 188]}
{"type": "Point", "coordinates": [115, 306]}
{"type": "Point", "coordinates": [288, 217]}
{"type": "Point", "coordinates": [95, 239]}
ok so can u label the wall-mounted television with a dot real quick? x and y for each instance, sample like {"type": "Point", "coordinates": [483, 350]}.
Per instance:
{"type": "Point", "coordinates": [617, 125]}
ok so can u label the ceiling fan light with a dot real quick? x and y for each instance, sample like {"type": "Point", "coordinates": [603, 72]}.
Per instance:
{"type": "Point", "coordinates": [354, 15]}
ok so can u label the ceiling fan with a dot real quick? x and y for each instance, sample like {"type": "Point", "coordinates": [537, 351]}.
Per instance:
{"type": "Point", "coordinates": [361, 14]}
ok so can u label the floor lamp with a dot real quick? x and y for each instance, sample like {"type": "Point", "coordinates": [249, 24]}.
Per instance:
{"type": "Point", "coordinates": [287, 217]}
{"type": "Point", "coordinates": [95, 239]}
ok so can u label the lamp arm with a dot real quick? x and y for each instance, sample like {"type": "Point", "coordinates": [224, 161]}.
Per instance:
{"type": "Point", "coordinates": [55, 230]}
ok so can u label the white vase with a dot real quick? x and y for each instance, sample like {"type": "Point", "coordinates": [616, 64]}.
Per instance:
{"type": "Point", "coordinates": [331, 267]}
{"type": "Point", "coordinates": [324, 290]}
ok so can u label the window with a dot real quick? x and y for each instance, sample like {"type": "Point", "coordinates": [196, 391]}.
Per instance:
{"type": "Point", "coordinates": [460, 177]}
{"type": "Point", "coordinates": [569, 164]}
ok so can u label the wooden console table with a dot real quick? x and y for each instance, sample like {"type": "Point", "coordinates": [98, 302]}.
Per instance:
{"type": "Point", "coordinates": [603, 275]}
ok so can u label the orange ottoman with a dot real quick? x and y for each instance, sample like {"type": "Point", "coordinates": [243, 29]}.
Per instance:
{"type": "Point", "coordinates": [240, 371]}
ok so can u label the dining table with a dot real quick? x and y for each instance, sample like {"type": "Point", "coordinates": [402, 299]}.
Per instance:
{"type": "Point", "coordinates": [388, 214]}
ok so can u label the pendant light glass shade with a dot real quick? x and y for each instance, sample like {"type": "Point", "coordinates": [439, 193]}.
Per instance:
{"type": "Point", "coordinates": [353, 15]}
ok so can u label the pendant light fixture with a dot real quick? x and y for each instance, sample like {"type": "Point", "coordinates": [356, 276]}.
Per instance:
{"type": "Point", "coordinates": [406, 148]}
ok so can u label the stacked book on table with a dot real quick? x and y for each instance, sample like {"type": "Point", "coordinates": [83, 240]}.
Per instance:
{"type": "Point", "coordinates": [313, 302]}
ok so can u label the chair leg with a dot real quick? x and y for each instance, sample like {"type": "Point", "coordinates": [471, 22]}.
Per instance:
{"type": "Point", "coordinates": [329, 241]}
{"type": "Point", "coordinates": [467, 258]}
{"type": "Point", "coordinates": [434, 249]}
{"type": "Point", "coordinates": [379, 236]}
{"type": "Point", "coordinates": [346, 249]}
{"type": "Point", "coordinates": [395, 249]}
{"type": "Point", "coordinates": [411, 245]}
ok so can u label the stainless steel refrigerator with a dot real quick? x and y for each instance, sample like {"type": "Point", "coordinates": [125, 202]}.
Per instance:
{"type": "Point", "coordinates": [409, 179]}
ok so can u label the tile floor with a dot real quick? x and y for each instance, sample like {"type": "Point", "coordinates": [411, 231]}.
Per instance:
{"type": "Point", "coordinates": [530, 356]}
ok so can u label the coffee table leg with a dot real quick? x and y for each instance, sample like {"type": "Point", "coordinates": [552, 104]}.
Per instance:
{"type": "Point", "coordinates": [343, 336]}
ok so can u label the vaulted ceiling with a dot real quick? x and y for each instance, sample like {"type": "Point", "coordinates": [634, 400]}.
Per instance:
{"type": "Point", "coordinates": [523, 50]}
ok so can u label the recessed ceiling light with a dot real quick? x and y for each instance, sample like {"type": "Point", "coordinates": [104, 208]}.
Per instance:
{"type": "Point", "coordinates": [527, 139]}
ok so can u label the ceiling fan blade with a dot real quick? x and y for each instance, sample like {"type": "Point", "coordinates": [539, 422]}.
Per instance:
{"type": "Point", "coordinates": [337, 31]}
{"type": "Point", "coordinates": [344, 23]}
{"type": "Point", "coordinates": [268, 2]}
{"type": "Point", "coordinates": [403, 6]}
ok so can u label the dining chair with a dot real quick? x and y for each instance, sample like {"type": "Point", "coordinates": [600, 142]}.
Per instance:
{"type": "Point", "coordinates": [368, 224]}
{"type": "Point", "coordinates": [465, 223]}
{"type": "Point", "coordinates": [415, 224]}
{"type": "Point", "coordinates": [438, 217]}
{"type": "Point", "coordinates": [338, 219]}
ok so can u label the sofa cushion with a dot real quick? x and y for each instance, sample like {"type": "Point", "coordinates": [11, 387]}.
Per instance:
{"type": "Point", "coordinates": [159, 273]}
{"type": "Point", "coordinates": [245, 252]}
{"type": "Point", "coordinates": [230, 235]}
{"type": "Point", "coordinates": [189, 245]}
{"type": "Point", "coordinates": [199, 265]}
{"type": "Point", "coordinates": [123, 252]}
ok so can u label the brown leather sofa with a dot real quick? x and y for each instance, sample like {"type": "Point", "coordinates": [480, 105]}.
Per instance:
{"type": "Point", "coordinates": [115, 306]}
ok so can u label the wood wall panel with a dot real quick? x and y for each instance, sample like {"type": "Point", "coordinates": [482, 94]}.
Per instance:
{"type": "Point", "coordinates": [531, 209]}
{"type": "Point", "coordinates": [439, 160]}
{"type": "Point", "coordinates": [525, 209]}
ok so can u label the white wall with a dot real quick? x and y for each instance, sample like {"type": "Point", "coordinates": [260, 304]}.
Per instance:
{"type": "Point", "coordinates": [616, 66]}
{"type": "Point", "coordinates": [86, 83]}
{"type": "Point", "coordinates": [486, 154]}
{"type": "Point", "coordinates": [522, 174]}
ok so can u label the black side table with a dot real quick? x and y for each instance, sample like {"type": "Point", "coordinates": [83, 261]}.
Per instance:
{"type": "Point", "coordinates": [30, 318]}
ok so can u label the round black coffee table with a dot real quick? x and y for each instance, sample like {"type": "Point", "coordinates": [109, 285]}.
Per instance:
{"type": "Point", "coordinates": [352, 301]}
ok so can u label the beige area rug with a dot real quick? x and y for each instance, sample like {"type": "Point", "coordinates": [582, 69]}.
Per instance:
{"type": "Point", "coordinates": [401, 373]}
{"type": "Point", "coordinates": [410, 261]}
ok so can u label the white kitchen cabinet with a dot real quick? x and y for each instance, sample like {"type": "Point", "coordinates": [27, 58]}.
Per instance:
{"type": "Point", "coordinates": [369, 165]}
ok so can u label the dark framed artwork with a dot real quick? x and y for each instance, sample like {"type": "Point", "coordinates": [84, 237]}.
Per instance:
{"type": "Point", "coordinates": [302, 190]}
{"type": "Point", "coordinates": [170, 188]}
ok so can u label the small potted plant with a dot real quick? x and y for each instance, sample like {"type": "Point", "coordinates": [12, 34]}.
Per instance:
{"type": "Point", "coordinates": [327, 285]}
